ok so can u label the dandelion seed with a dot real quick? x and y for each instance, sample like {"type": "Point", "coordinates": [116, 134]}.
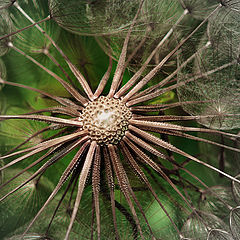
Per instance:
{"type": "Point", "coordinates": [121, 174]}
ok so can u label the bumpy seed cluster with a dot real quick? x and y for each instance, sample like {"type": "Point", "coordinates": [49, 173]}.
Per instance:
{"type": "Point", "coordinates": [106, 119]}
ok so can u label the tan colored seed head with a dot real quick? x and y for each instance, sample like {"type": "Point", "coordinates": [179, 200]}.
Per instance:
{"type": "Point", "coordinates": [106, 119]}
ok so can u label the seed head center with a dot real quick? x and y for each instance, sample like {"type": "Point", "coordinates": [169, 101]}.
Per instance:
{"type": "Point", "coordinates": [106, 120]}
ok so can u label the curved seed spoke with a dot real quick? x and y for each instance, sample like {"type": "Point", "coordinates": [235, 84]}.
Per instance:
{"type": "Point", "coordinates": [198, 180]}
{"type": "Point", "coordinates": [141, 174]}
{"type": "Point", "coordinates": [66, 85]}
{"type": "Point", "coordinates": [154, 71]}
{"type": "Point", "coordinates": [96, 188]}
{"type": "Point", "coordinates": [63, 178]}
{"type": "Point", "coordinates": [167, 79]}
{"type": "Point", "coordinates": [81, 80]}
{"type": "Point", "coordinates": [78, 75]}
{"type": "Point", "coordinates": [146, 159]}
{"type": "Point", "coordinates": [145, 145]}
{"type": "Point", "coordinates": [62, 101]}
{"type": "Point", "coordinates": [71, 182]}
{"type": "Point", "coordinates": [43, 118]}
{"type": "Point", "coordinates": [123, 182]}
{"type": "Point", "coordinates": [31, 165]}
{"type": "Point", "coordinates": [161, 107]}
{"type": "Point", "coordinates": [136, 201]}
{"type": "Point", "coordinates": [121, 62]}
{"type": "Point", "coordinates": [169, 126]}
{"type": "Point", "coordinates": [160, 91]}
{"type": "Point", "coordinates": [104, 80]}
{"type": "Point", "coordinates": [146, 79]}
{"type": "Point", "coordinates": [124, 175]}
{"type": "Point", "coordinates": [110, 181]}
{"type": "Point", "coordinates": [153, 165]}
{"type": "Point", "coordinates": [24, 157]}
{"type": "Point", "coordinates": [68, 103]}
{"type": "Point", "coordinates": [54, 60]}
{"type": "Point", "coordinates": [29, 138]}
{"type": "Point", "coordinates": [185, 135]}
{"type": "Point", "coordinates": [81, 184]}
{"type": "Point", "coordinates": [138, 74]}
{"type": "Point", "coordinates": [175, 118]}
{"type": "Point", "coordinates": [172, 148]}
{"type": "Point", "coordinates": [51, 161]}
{"type": "Point", "coordinates": [75, 161]}
{"type": "Point", "coordinates": [55, 98]}
{"type": "Point", "coordinates": [41, 147]}
{"type": "Point", "coordinates": [59, 110]}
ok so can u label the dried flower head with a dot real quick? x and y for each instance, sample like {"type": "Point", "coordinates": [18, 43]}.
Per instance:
{"type": "Point", "coordinates": [115, 146]}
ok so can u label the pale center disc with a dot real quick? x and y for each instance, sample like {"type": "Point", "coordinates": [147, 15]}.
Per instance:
{"type": "Point", "coordinates": [106, 119]}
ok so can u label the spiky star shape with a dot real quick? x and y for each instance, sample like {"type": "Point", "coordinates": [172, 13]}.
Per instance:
{"type": "Point", "coordinates": [105, 130]}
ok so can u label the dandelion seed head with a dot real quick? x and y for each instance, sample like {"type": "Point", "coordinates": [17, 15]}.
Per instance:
{"type": "Point", "coordinates": [106, 119]}
{"type": "Point", "coordinates": [124, 171]}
